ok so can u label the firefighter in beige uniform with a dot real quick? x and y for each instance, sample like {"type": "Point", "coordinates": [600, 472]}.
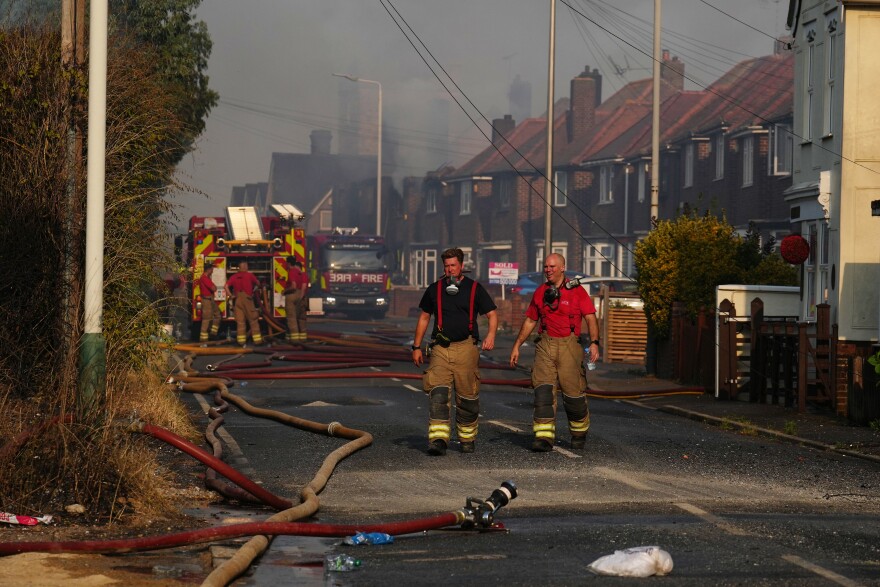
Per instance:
{"type": "Point", "coordinates": [294, 294]}
{"type": "Point", "coordinates": [559, 308]}
{"type": "Point", "coordinates": [455, 301]}
{"type": "Point", "coordinates": [210, 309]}
{"type": "Point", "coordinates": [244, 285]}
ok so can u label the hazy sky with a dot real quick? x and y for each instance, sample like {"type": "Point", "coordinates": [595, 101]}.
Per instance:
{"type": "Point", "coordinates": [272, 63]}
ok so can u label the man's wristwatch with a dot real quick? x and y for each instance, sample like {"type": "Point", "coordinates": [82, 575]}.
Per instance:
{"type": "Point", "coordinates": [594, 342]}
{"type": "Point", "coordinates": [416, 347]}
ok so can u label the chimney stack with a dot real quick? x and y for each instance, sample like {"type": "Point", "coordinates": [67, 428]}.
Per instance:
{"type": "Point", "coordinates": [672, 71]}
{"type": "Point", "coordinates": [586, 95]}
{"type": "Point", "coordinates": [320, 142]}
{"type": "Point", "coordinates": [502, 127]}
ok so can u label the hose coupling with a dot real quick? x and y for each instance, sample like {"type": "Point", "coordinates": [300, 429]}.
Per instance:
{"type": "Point", "coordinates": [332, 427]}
{"type": "Point", "coordinates": [478, 512]}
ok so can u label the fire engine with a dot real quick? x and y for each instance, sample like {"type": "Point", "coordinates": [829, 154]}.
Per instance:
{"type": "Point", "coordinates": [349, 273]}
{"type": "Point", "coordinates": [264, 243]}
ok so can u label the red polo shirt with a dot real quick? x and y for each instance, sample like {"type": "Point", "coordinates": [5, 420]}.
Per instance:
{"type": "Point", "coordinates": [243, 281]}
{"type": "Point", "coordinates": [566, 313]}
{"type": "Point", "coordinates": [206, 286]}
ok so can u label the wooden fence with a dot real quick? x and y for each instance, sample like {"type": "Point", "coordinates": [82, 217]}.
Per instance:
{"type": "Point", "coordinates": [776, 359]}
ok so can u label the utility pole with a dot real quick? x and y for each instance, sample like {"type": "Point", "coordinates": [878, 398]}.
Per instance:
{"type": "Point", "coordinates": [548, 168]}
{"type": "Point", "coordinates": [93, 351]}
{"type": "Point", "coordinates": [655, 121]}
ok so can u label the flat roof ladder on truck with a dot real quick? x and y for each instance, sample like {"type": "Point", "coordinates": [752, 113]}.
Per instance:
{"type": "Point", "coordinates": [244, 223]}
{"type": "Point", "coordinates": [288, 212]}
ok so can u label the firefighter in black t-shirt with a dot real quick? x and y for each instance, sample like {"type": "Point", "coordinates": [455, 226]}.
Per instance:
{"type": "Point", "coordinates": [455, 301]}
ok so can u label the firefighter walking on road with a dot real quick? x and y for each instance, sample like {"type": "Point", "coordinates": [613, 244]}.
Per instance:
{"type": "Point", "coordinates": [455, 301]}
{"type": "Point", "coordinates": [294, 294]}
{"type": "Point", "coordinates": [558, 308]}
{"type": "Point", "coordinates": [210, 309]}
{"type": "Point", "coordinates": [244, 285]}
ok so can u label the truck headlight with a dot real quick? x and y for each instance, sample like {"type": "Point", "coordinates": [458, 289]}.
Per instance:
{"type": "Point", "coordinates": [381, 301]}
{"type": "Point", "coordinates": [330, 301]}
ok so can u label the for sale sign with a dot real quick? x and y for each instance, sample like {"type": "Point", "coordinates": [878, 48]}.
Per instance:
{"type": "Point", "coordinates": [503, 273]}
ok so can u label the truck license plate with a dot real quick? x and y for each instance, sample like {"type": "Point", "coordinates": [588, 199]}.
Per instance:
{"type": "Point", "coordinates": [357, 301]}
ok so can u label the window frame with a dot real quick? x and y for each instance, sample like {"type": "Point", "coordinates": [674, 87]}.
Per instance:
{"type": "Point", "coordinates": [688, 179]}
{"type": "Point", "coordinates": [466, 195]}
{"type": "Point", "coordinates": [748, 160]}
{"type": "Point", "coordinates": [560, 191]}
{"type": "Point", "coordinates": [720, 152]}
{"type": "Point", "coordinates": [606, 184]}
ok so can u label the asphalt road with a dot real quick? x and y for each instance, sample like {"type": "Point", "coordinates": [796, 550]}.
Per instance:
{"type": "Point", "coordinates": [730, 509]}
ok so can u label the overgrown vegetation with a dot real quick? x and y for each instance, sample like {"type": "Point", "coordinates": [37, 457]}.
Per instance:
{"type": "Point", "coordinates": [47, 460]}
{"type": "Point", "coordinates": [684, 259]}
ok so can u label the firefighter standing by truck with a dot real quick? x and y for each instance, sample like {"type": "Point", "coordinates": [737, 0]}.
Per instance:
{"type": "Point", "coordinates": [244, 286]}
{"type": "Point", "coordinates": [210, 309]}
{"type": "Point", "coordinates": [294, 301]}
{"type": "Point", "coordinates": [455, 301]}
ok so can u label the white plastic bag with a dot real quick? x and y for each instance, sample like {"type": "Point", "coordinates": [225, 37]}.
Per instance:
{"type": "Point", "coordinates": [639, 561]}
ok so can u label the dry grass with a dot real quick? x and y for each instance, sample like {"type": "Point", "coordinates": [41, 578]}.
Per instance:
{"type": "Point", "coordinates": [48, 459]}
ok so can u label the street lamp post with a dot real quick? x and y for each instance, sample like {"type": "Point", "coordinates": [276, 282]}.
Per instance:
{"type": "Point", "coordinates": [378, 150]}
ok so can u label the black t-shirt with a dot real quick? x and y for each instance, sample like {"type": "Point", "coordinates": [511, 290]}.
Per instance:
{"type": "Point", "coordinates": [456, 309]}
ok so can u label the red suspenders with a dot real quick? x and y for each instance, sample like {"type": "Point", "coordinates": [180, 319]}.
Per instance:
{"type": "Point", "coordinates": [470, 308]}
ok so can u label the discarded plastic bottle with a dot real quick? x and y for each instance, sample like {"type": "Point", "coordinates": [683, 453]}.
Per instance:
{"type": "Point", "coordinates": [369, 538]}
{"type": "Point", "coordinates": [340, 563]}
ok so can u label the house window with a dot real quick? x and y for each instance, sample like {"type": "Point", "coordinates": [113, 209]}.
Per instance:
{"type": "Point", "coordinates": [599, 259]}
{"type": "Point", "coordinates": [325, 220]}
{"type": "Point", "coordinates": [719, 156]}
{"type": "Point", "coordinates": [466, 196]}
{"type": "Point", "coordinates": [468, 261]}
{"type": "Point", "coordinates": [606, 184]}
{"type": "Point", "coordinates": [781, 150]}
{"type": "Point", "coordinates": [807, 123]}
{"type": "Point", "coordinates": [505, 187]}
{"type": "Point", "coordinates": [830, 55]}
{"type": "Point", "coordinates": [560, 194]}
{"type": "Point", "coordinates": [688, 165]}
{"type": "Point", "coordinates": [643, 180]}
{"type": "Point", "coordinates": [748, 151]}
{"type": "Point", "coordinates": [431, 201]}
{"type": "Point", "coordinates": [816, 268]}
{"type": "Point", "coordinates": [423, 266]}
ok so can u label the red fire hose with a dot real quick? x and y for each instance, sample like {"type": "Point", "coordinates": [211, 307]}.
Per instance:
{"type": "Point", "coordinates": [176, 539]}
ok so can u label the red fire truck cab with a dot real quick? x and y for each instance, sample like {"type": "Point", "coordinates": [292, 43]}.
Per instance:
{"type": "Point", "coordinates": [349, 272]}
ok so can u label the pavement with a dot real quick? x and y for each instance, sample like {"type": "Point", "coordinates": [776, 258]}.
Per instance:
{"type": "Point", "coordinates": [816, 427]}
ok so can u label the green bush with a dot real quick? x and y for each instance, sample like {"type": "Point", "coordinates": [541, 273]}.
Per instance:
{"type": "Point", "coordinates": [683, 260]}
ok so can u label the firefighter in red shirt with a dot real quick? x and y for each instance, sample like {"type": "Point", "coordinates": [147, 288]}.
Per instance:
{"type": "Point", "coordinates": [294, 295]}
{"type": "Point", "coordinates": [558, 308]}
{"type": "Point", "coordinates": [244, 285]}
{"type": "Point", "coordinates": [210, 309]}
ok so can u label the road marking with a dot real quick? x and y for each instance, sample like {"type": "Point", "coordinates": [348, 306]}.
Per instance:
{"type": "Point", "coordinates": [621, 477]}
{"type": "Point", "coordinates": [375, 368]}
{"type": "Point", "coordinates": [712, 519]}
{"type": "Point", "coordinates": [567, 453]}
{"type": "Point", "coordinates": [408, 386]}
{"type": "Point", "coordinates": [395, 379]}
{"type": "Point", "coordinates": [505, 426]}
{"type": "Point", "coordinates": [822, 572]}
